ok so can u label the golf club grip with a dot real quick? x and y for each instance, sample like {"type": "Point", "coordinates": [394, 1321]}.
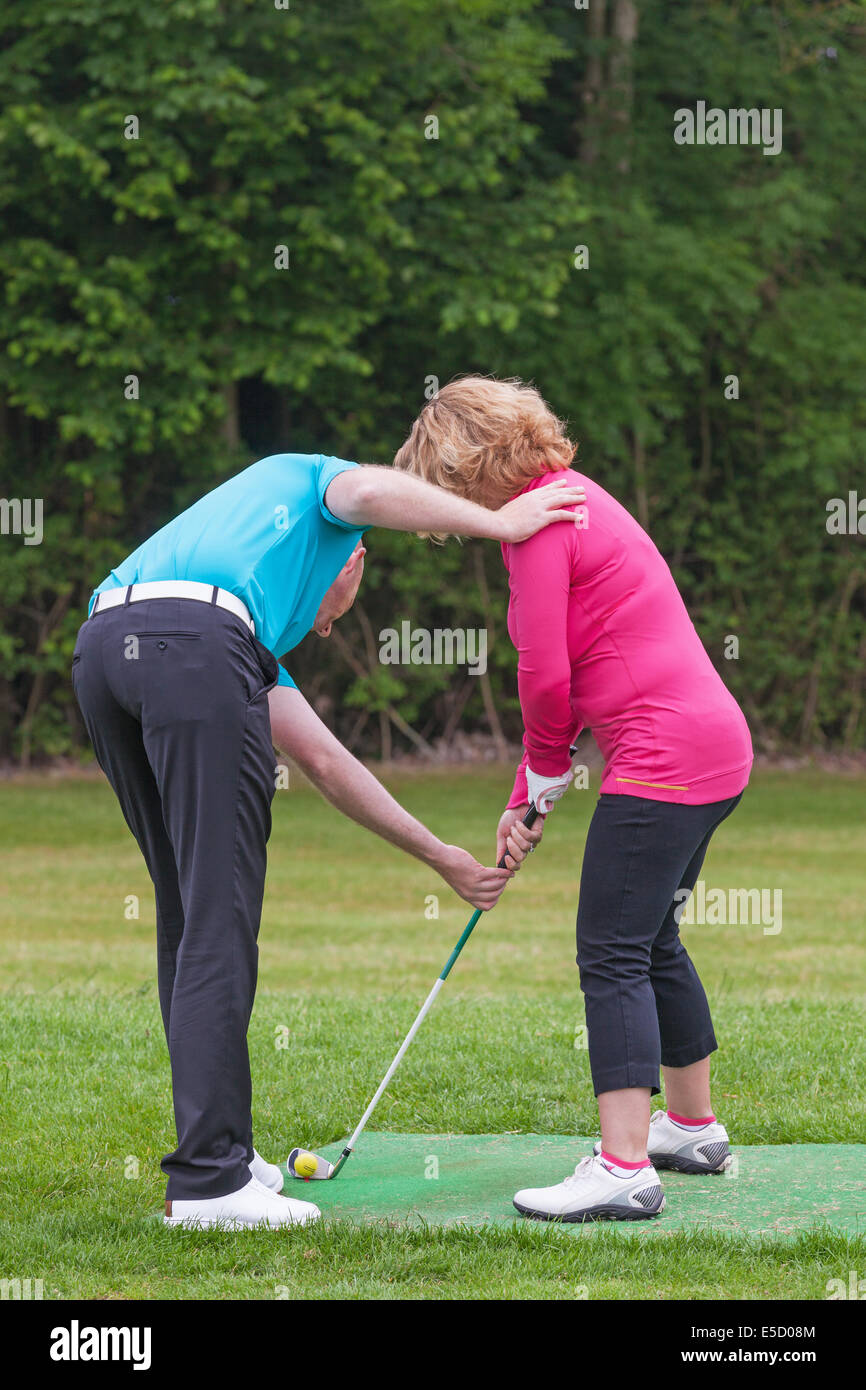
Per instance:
{"type": "Point", "coordinates": [533, 813]}
{"type": "Point", "coordinates": [528, 820]}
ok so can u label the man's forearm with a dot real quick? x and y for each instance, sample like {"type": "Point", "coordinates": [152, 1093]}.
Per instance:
{"type": "Point", "coordinates": [297, 731]}
{"type": "Point", "coordinates": [376, 496]}
{"type": "Point", "coordinates": [348, 785]}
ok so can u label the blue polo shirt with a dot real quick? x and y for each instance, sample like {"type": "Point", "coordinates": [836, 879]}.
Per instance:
{"type": "Point", "coordinates": [266, 536]}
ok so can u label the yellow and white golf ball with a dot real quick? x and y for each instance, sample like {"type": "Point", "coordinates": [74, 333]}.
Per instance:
{"type": "Point", "coordinates": [305, 1165]}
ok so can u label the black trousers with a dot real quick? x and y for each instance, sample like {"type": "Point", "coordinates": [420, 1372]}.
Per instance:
{"type": "Point", "coordinates": [174, 696]}
{"type": "Point", "coordinates": [645, 1005]}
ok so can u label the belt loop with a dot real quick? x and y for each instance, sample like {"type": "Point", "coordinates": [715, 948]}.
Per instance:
{"type": "Point", "coordinates": [128, 599]}
{"type": "Point", "coordinates": [215, 595]}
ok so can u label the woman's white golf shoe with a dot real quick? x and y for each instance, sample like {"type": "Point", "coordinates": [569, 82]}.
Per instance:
{"type": "Point", "coordinates": [251, 1207]}
{"type": "Point", "coordinates": [595, 1192]}
{"type": "Point", "coordinates": [685, 1149]}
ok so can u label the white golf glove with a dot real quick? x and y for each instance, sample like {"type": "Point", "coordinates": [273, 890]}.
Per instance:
{"type": "Point", "coordinates": [544, 791]}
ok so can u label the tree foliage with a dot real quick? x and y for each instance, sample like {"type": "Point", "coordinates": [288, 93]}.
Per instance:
{"type": "Point", "coordinates": [427, 173]}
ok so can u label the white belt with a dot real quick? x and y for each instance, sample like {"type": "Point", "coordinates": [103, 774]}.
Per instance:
{"type": "Point", "coordinates": [174, 588]}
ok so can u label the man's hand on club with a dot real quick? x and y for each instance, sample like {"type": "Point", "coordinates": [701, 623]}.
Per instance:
{"type": "Point", "coordinates": [480, 886]}
{"type": "Point", "coordinates": [524, 515]}
{"type": "Point", "coordinates": [514, 838]}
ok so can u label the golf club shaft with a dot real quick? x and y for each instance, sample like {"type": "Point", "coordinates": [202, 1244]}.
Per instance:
{"type": "Point", "coordinates": [422, 1014]}
{"type": "Point", "coordinates": [528, 820]}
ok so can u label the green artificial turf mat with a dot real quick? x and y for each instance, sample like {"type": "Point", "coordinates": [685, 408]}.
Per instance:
{"type": "Point", "coordinates": [470, 1179]}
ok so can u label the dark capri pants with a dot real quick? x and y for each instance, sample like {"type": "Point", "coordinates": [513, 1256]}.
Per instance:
{"type": "Point", "coordinates": [174, 694]}
{"type": "Point", "coordinates": [645, 1005]}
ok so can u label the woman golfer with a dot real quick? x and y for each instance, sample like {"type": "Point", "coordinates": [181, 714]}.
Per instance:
{"type": "Point", "coordinates": [604, 642]}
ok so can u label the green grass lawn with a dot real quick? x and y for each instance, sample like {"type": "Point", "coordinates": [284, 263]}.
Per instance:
{"type": "Point", "coordinates": [347, 955]}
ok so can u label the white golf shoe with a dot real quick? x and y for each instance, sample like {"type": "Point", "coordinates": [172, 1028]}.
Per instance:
{"type": "Point", "coordinates": [595, 1192]}
{"type": "Point", "coordinates": [684, 1148]}
{"type": "Point", "coordinates": [267, 1173]}
{"type": "Point", "coordinates": [252, 1206]}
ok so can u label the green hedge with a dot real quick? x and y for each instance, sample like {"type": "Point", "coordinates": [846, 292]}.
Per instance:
{"type": "Point", "coordinates": [417, 253]}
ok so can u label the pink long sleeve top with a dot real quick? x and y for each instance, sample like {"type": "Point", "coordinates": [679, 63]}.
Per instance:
{"type": "Point", "coordinates": [604, 642]}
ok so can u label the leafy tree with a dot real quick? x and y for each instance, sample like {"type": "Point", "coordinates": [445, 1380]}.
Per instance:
{"type": "Point", "coordinates": [428, 173]}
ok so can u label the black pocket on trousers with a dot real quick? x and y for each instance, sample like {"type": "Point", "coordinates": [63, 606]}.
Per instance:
{"type": "Point", "coordinates": [268, 668]}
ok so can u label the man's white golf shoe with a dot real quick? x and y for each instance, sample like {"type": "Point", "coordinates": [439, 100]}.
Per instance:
{"type": "Point", "coordinates": [268, 1173]}
{"type": "Point", "coordinates": [251, 1207]}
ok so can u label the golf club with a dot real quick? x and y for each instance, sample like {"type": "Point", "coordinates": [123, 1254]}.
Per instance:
{"type": "Point", "coordinates": [304, 1164]}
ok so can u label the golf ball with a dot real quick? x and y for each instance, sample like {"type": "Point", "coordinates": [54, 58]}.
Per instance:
{"type": "Point", "coordinates": [305, 1165]}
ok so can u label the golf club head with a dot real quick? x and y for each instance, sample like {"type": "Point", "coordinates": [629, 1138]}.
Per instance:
{"type": "Point", "coordinates": [323, 1169]}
